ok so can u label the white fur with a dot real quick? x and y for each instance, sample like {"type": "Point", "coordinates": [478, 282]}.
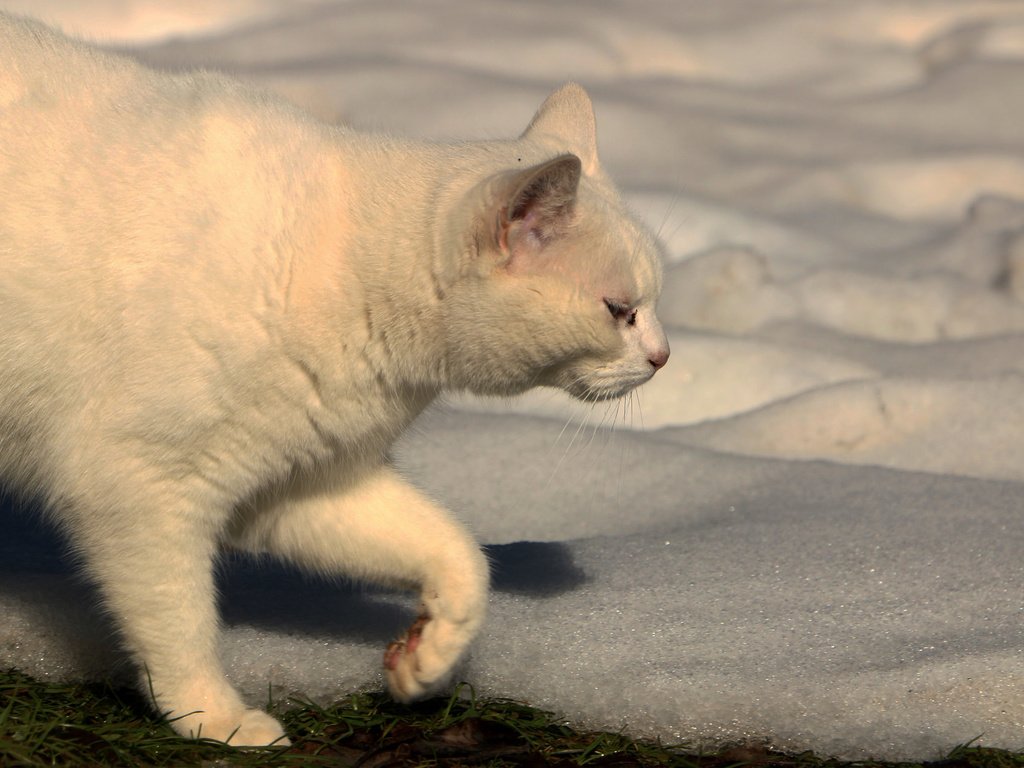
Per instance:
{"type": "Point", "coordinates": [219, 314]}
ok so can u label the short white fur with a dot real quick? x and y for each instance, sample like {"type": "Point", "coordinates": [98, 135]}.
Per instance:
{"type": "Point", "coordinates": [218, 315]}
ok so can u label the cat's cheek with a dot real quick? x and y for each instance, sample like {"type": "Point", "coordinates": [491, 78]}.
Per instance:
{"type": "Point", "coordinates": [576, 379]}
{"type": "Point", "coordinates": [595, 379]}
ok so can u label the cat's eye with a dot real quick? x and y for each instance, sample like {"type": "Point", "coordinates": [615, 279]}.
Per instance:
{"type": "Point", "coordinates": [621, 311]}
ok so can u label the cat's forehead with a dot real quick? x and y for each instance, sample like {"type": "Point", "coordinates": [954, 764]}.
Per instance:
{"type": "Point", "coordinates": [623, 260]}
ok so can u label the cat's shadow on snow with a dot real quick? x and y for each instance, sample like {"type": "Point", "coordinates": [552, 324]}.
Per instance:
{"type": "Point", "coordinates": [261, 593]}
{"type": "Point", "coordinates": [269, 594]}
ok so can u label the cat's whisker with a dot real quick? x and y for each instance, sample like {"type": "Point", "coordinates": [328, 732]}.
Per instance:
{"type": "Point", "coordinates": [565, 426]}
{"type": "Point", "coordinates": [558, 464]}
{"type": "Point", "coordinates": [614, 404]}
{"type": "Point", "coordinates": [668, 215]}
{"type": "Point", "coordinates": [568, 449]}
{"type": "Point", "coordinates": [585, 422]}
{"type": "Point", "coordinates": [640, 411]}
{"type": "Point", "coordinates": [599, 425]}
{"type": "Point", "coordinates": [614, 421]}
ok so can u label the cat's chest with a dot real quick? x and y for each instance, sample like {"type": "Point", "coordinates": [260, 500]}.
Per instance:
{"type": "Point", "coordinates": [340, 424]}
{"type": "Point", "coordinates": [363, 424]}
{"type": "Point", "coordinates": [271, 423]}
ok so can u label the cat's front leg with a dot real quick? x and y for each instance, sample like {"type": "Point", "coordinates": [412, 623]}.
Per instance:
{"type": "Point", "coordinates": [384, 530]}
{"type": "Point", "coordinates": [154, 567]}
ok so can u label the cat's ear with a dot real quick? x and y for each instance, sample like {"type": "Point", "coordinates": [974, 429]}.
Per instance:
{"type": "Point", "coordinates": [566, 121]}
{"type": "Point", "coordinates": [538, 206]}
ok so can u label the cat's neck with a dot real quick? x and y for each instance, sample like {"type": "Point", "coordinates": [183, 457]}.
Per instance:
{"type": "Point", "coordinates": [378, 274]}
{"type": "Point", "coordinates": [404, 256]}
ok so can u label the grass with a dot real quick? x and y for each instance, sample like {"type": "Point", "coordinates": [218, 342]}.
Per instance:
{"type": "Point", "coordinates": [44, 724]}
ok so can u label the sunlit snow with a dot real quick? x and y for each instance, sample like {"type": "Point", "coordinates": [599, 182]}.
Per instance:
{"type": "Point", "coordinates": [808, 529]}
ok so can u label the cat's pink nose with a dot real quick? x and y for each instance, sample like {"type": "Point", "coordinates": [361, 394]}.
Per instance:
{"type": "Point", "coordinates": [658, 359]}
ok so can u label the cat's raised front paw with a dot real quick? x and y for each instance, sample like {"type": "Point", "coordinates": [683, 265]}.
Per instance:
{"type": "Point", "coordinates": [420, 661]}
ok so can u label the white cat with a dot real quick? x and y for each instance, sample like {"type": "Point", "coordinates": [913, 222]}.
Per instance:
{"type": "Point", "coordinates": [218, 314]}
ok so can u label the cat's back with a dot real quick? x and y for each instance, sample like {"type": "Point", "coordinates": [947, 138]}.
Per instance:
{"type": "Point", "coordinates": [68, 112]}
{"type": "Point", "coordinates": [114, 173]}
{"type": "Point", "coordinates": [142, 217]}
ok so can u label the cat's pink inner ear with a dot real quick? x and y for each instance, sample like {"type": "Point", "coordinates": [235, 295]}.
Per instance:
{"type": "Point", "coordinates": [541, 205]}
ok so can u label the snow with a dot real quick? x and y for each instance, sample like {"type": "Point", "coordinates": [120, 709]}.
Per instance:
{"type": "Point", "coordinates": [807, 529]}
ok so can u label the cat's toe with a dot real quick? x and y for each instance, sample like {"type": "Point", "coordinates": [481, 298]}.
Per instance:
{"type": "Point", "coordinates": [258, 729]}
{"type": "Point", "coordinates": [403, 677]}
{"type": "Point", "coordinates": [420, 662]}
{"type": "Point", "coordinates": [249, 728]}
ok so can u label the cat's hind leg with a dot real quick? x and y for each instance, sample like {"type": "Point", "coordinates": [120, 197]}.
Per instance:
{"type": "Point", "coordinates": [383, 530]}
{"type": "Point", "coordinates": [153, 562]}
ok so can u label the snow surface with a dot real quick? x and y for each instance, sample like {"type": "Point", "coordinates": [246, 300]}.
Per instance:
{"type": "Point", "coordinates": [807, 529]}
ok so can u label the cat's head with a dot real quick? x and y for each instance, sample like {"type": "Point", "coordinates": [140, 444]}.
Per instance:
{"type": "Point", "coordinates": [560, 282]}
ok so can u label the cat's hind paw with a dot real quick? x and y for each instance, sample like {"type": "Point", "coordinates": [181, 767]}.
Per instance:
{"type": "Point", "coordinates": [420, 661]}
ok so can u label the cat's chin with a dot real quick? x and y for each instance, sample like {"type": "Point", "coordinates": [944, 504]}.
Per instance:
{"type": "Point", "coordinates": [599, 383]}
{"type": "Point", "coordinates": [597, 392]}
{"type": "Point", "coordinates": [600, 396]}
